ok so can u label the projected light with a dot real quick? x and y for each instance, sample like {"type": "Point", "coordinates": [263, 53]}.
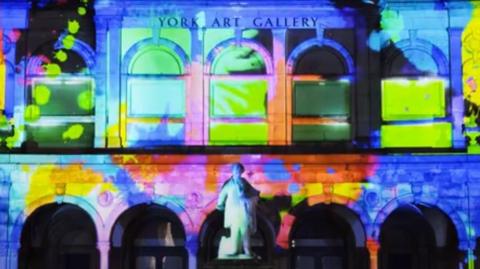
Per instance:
{"type": "Point", "coordinates": [156, 98]}
{"type": "Point", "coordinates": [144, 133]}
{"type": "Point", "coordinates": [156, 60]}
{"type": "Point", "coordinates": [321, 98]}
{"type": "Point", "coordinates": [60, 113]}
{"type": "Point", "coordinates": [413, 99]}
{"type": "Point", "coordinates": [3, 74]}
{"type": "Point", "coordinates": [434, 135]}
{"type": "Point", "coordinates": [238, 98]}
{"type": "Point", "coordinates": [61, 135]}
{"type": "Point", "coordinates": [63, 97]}
{"type": "Point", "coordinates": [238, 133]}
{"type": "Point", "coordinates": [321, 132]}
{"type": "Point", "coordinates": [238, 60]}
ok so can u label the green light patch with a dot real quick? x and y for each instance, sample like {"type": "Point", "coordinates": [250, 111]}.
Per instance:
{"type": "Point", "coordinates": [62, 135]}
{"type": "Point", "coordinates": [214, 36]}
{"type": "Point", "coordinates": [238, 60]}
{"type": "Point", "coordinates": [238, 134]}
{"type": "Point", "coordinates": [41, 94]}
{"type": "Point", "coordinates": [239, 98]}
{"type": "Point", "coordinates": [156, 60]}
{"type": "Point", "coordinates": [180, 37]}
{"type": "Point", "coordinates": [434, 135]}
{"type": "Point", "coordinates": [321, 98]}
{"type": "Point", "coordinates": [412, 99]}
{"type": "Point", "coordinates": [473, 146]}
{"type": "Point", "coordinates": [73, 132]}
{"type": "Point", "coordinates": [63, 97]}
{"type": "Point", "coordinates": [327, 132]}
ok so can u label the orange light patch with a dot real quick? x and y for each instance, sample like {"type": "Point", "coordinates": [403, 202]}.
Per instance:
{"type": "Point", "coordinates": [74, 179]}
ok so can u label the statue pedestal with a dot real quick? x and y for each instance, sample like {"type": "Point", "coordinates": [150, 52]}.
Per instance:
{"type": "Point", "coordinates": [238, 262]}
{"type": "Point", "coordinates": [236, 257]}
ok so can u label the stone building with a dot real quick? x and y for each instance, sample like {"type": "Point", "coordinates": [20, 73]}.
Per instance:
{"type": "Point", "coordinates": [357, 121]}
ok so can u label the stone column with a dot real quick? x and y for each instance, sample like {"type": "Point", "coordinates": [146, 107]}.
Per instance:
{"type": "Point", "coordinates": [107, 77]}
{"type": "Point", "coordinates": [455, 38]}
{"type": "Point", "coordinates": [3, 254]}
{"type": "Point", "coordinates": [103, 250]}
{"type": "Point", "coordinates": [194, 127]}
{"type": "Point", "coordinates": [277, 92]}
{"type": "Point", "coordinates": [192, 248]}
{"type": "Point", "coordinates": [12, 255]}
{"type": "Point", "coordinates": [373, 247]}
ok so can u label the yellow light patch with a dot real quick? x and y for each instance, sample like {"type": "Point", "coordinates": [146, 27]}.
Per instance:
{"type": "Point", "coordinates": [2, 74]}
{"type": "Point", "coordinates": [314, 189]}
{"type": "Point", "coordinates": [350, 190]}
{"type": "Point", "coordinates": [77, 180]}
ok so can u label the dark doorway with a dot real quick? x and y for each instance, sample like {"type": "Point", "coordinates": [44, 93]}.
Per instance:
{"type": "Point", "coordinates": [59, 236]}
{"type": "Point", "coordinates": [324, 237]}
{"type": "Point", "coordinates": [148, 237]}
{"type": "Point", "coordinates": [418, 237]}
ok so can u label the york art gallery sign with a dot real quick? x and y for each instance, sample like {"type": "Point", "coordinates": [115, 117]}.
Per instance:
{"type": "Point", "coordinates": [242, 22]}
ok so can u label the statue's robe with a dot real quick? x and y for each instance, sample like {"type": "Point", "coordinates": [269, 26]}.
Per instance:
{"type": "Point", "coordinates": [238, 198]}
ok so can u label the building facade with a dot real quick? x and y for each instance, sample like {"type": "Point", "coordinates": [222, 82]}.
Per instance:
{"type": "Point", "coordinates": [357, 121]}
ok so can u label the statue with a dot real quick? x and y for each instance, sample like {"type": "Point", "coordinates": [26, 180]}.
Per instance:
{"type": "Point", "coordinates": [238, 199]}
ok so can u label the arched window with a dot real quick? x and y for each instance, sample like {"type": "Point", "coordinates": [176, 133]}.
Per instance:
{"type": "Point", "coordinates": [239, 83]}
{"type": "Point", "coordinates": [319, 91]}
{"type": "Point", "coordinates": [327, 237]}
{"type": "Point", "coordinates": [262, 243]}
{"type": "Point", "coordinates": [415, 104]}
{"type": "Point", "coordinates": [416, 236]}
{"type": "Point", "coordinates": [59, 236]}
{"type": "Point", "coordinates": [59, 105]}
{"type": "Point", "coordinates": [148, 236]}
{"type": "Point", "coordinates": [155, 96]}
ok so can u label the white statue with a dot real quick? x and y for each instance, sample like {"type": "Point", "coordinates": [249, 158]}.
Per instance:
{"type": "Point", "coordinates": [239, 199]}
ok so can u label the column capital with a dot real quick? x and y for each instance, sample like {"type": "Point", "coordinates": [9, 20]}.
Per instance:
{"type": "Point", "coordinates": [373, 245]}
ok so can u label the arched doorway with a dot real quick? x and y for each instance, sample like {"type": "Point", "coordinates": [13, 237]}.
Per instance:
{"type": "Point", "coordinates": [327, 237]}
{"type": "Point", "coordinates": [418, 237]}
{"type": "Point", "coordinates": [148, 237]}
{"type": "Point", "coordinates": [262, 243]}
{"type": "Point", "coordinates": [59, 236]}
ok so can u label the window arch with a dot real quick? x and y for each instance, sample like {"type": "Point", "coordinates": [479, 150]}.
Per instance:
{"type": "Point", "coordinates": [156, 60]}
{"type": "Point", "coordinates": [148, 236]}
{"type": "Point", "coordinates": [59, 236]}
{"type": "Point", "coordinates": [319, 85]}
{"type": "Point", "coordinates": [59, 100]}
{"type": "Point", "coordinates": [154, 69]}
{"type": "Point", "coordinates": [415, 103]}
{"type": "Point", "coordinates": [239, 81]}
{"type": "Point", "coordinates": [418, 236]}
{"type": "Point", "coordinates": [327, 236]}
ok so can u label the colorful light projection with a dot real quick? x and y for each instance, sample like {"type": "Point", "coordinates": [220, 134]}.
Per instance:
{"type": "Point", "coordinates": [238, 104]}
{"type": "Point", "coordinates": [409, 107]}
{"type": "Point", "coordinates": [3, 77]}
{"type": "Point", "coordinates": [191, 182]}
{"type": "Point", "coordinates": [471, 76]}
{"type": "Point", "coordinates": [243, 96]}
{"type": "Point", "coordinates": [321, 109]}
{"type": "Point", "coordinates": [60, 95]}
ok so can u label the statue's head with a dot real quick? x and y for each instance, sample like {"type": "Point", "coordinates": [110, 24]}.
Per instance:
{"type": "Point", "coordinates": [237, 170]}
